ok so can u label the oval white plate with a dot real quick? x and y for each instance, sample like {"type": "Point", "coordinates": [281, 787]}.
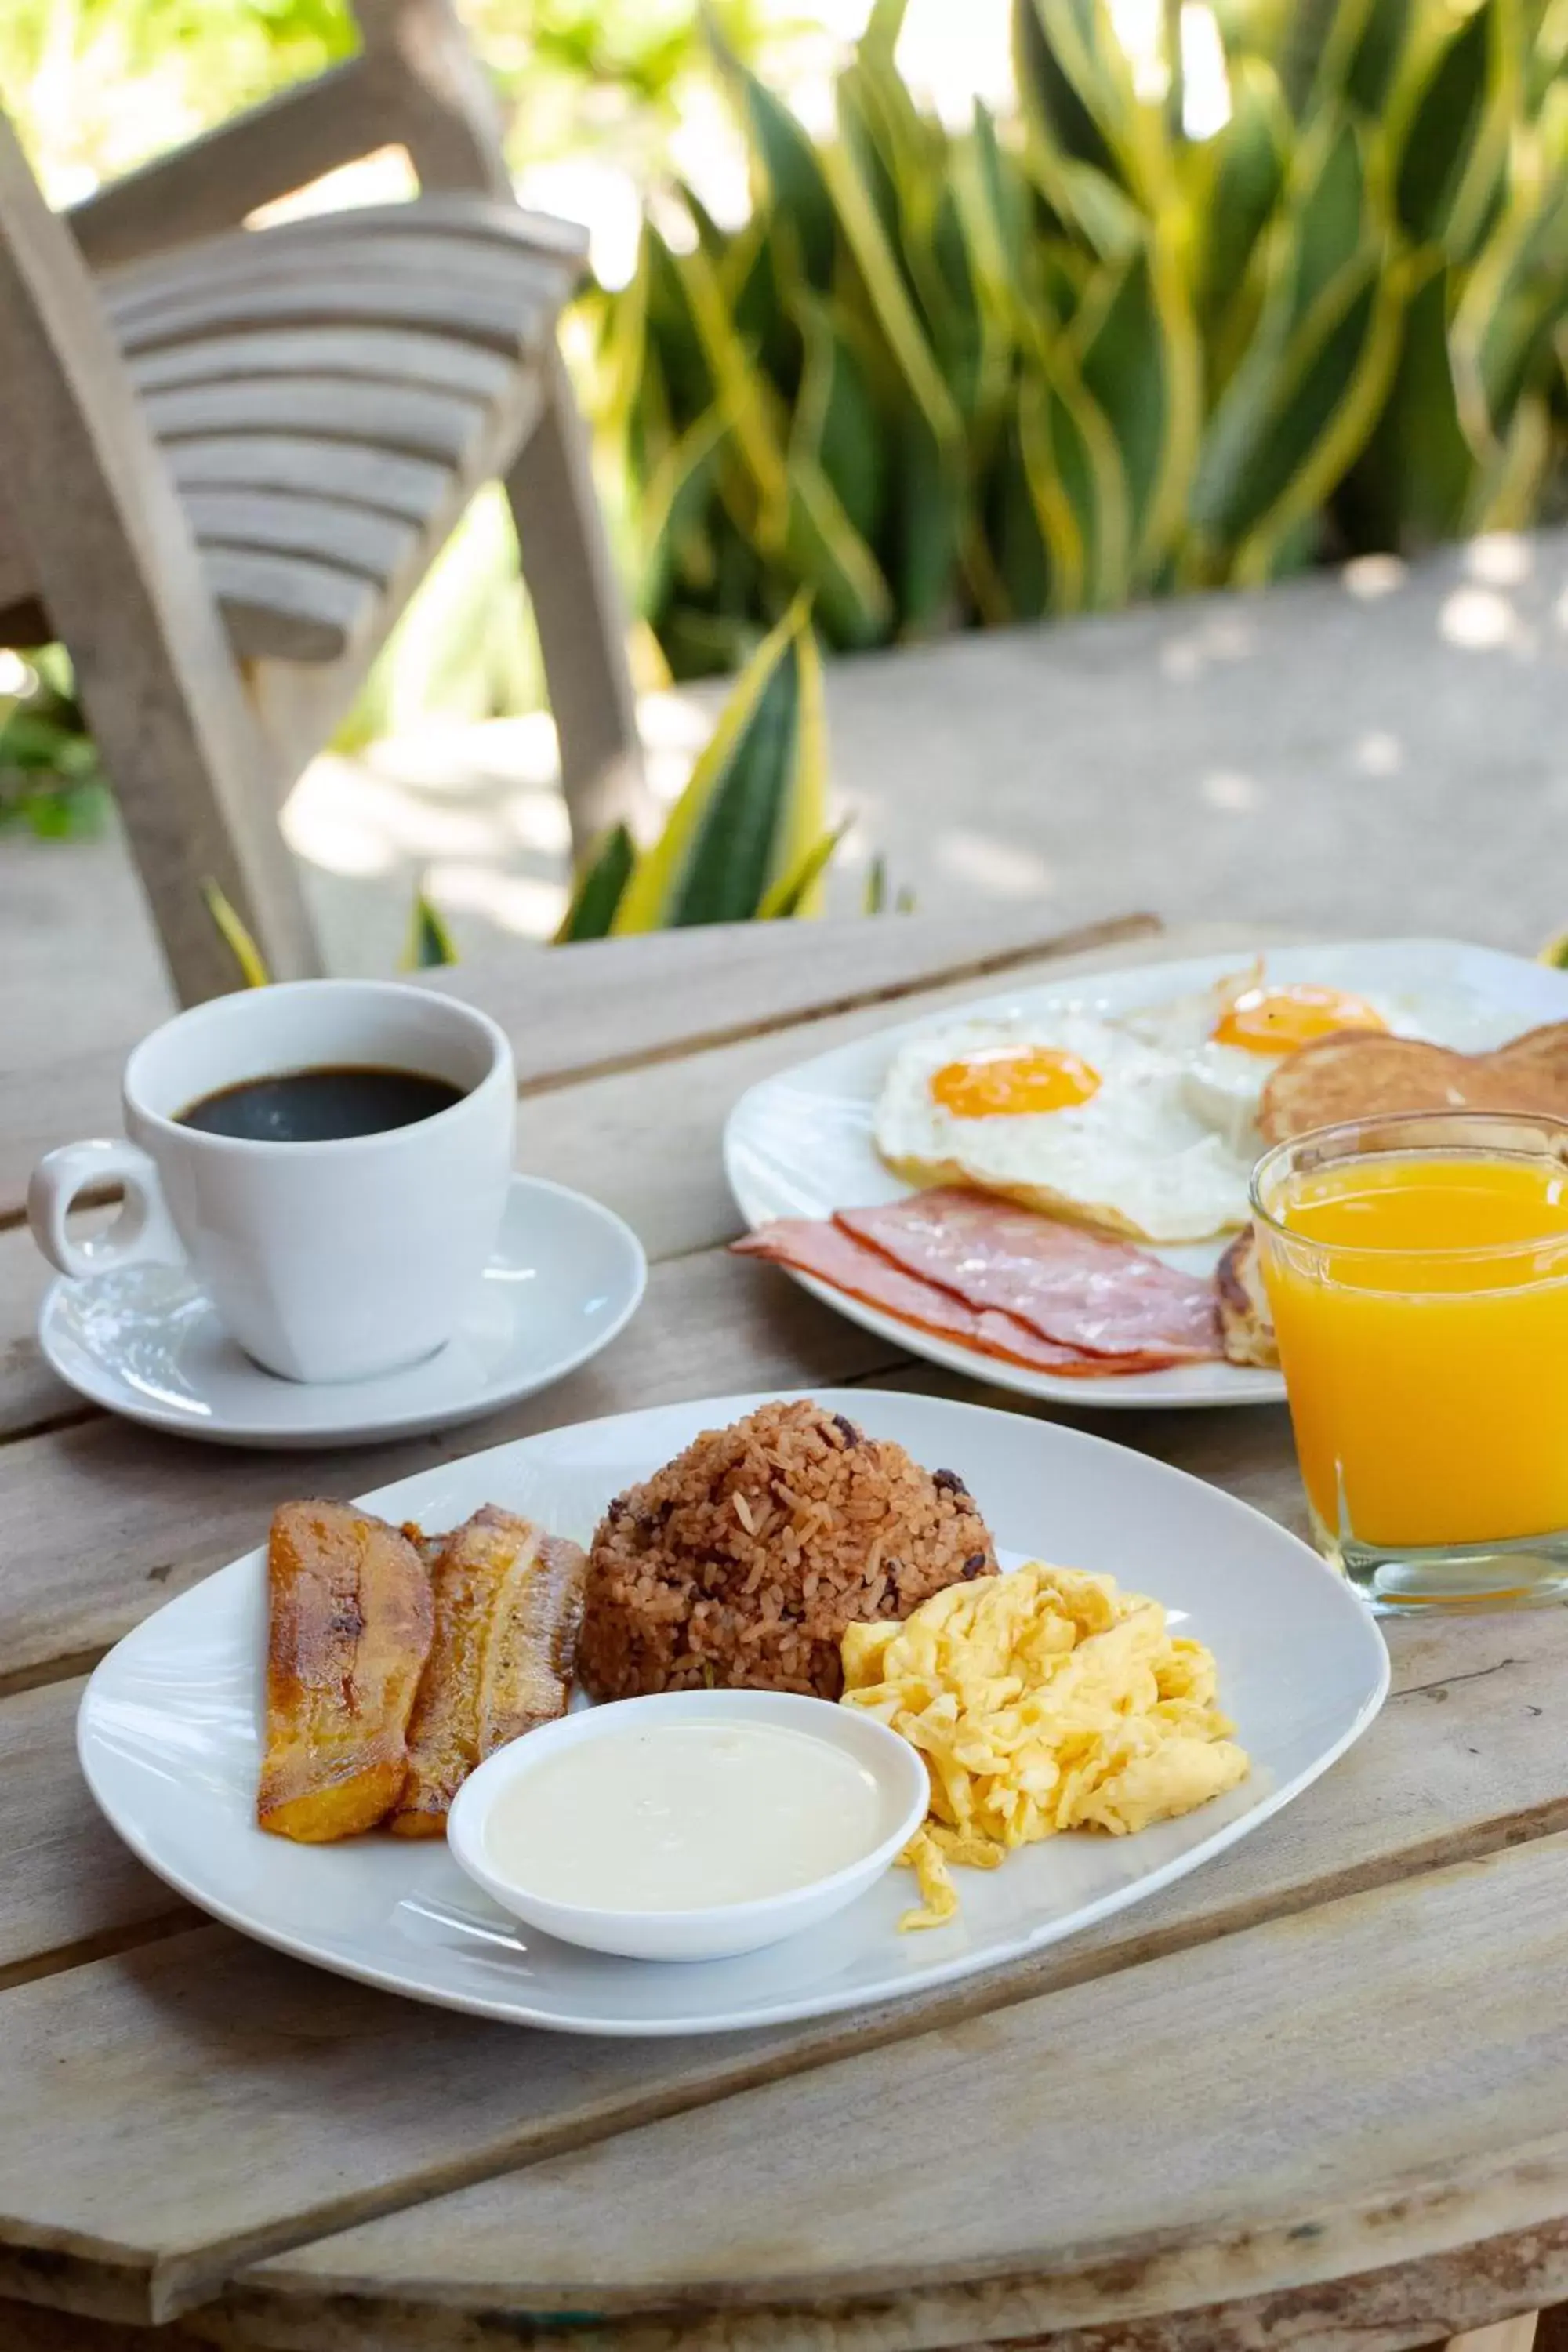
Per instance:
{"type": "Point", "coordinates": [169, 1734]}
{"type": "Point", "coordinates": [799, 1144]}
{"type": "Point", "coordinates": [564, 1277]}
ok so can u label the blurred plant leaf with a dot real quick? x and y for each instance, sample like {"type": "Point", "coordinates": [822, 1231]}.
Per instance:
{"type": "Point", "coordinates": [755, 804]}
{"type": "Point", "coordinates": [599, 889]}
{"type": "Point", "coordinates": [247, 955]}
{"type": "Point", "coordinates": [791, 892]}
{"type": "Point", "coordinates": [430, 943]}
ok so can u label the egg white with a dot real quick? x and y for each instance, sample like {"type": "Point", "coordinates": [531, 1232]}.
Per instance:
{"type": "Point", "coordinates": [1222, 1086]}
{"type": "Point", "coordinates": [1135, 1158]}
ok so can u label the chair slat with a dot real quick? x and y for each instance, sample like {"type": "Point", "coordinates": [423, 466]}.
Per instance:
{"type": "Point", "coordinates": [326, 529]}
{"type": "Point", "coordinates": [379, 353]}
{"type": "Point", "coordinates": [508, 318]}
{"type": "Point", "coordinates": [258, 260]}
{"type": "Point", "coordinates": [383, 479]}
{"type": "Point", "coordinates": [459, 220]}
{"type": "Point", "coordinates": [288, 607]}
{"type": "Point", "coordinates": [417, 421]}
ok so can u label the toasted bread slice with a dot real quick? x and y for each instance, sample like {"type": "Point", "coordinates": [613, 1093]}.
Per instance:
{"type": "Point", "coordinates": [1357, 1074]}
{"type": "Point", "coordinates": [509, 1607]}
{"type": "Point", "coordinates": [350, 1621]}
{"type": "Point", "coordinates": [1245, 1325]}
{"type": "Point", "coordinates": [1542, 1054]}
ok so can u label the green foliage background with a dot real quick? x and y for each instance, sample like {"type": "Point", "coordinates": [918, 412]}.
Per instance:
{"type": "Point", "coordinates": [1044, 365]}
{"type": "Point", "coordinates": [1052, 364]}
{"type": "Point", "coordinates": [99, 85]}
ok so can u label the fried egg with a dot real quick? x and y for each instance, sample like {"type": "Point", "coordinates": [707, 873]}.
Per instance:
{"type": "Point", "coordinates": [1067, 1112]}
{"type": "Point", "coordinates": [1230, 1038]}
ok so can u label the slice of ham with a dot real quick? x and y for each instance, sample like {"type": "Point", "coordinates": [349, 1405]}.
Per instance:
{"type": "Point", "coordinates": [825, 1250]}
{"type": "Point", "coordinates": [1079, 1289]}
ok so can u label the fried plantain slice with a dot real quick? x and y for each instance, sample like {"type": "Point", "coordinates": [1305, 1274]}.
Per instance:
{"type": "Point", "coordinates": [350, 1621]}
{"type": "Point", "coordinates": [509, 1607]}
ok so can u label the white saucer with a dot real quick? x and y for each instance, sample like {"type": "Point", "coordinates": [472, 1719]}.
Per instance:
{"type": "Point", "coordinates": [564, 1277]}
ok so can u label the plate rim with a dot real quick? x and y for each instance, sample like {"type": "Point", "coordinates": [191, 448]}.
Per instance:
{"type": "Point", "coordinates": [799, 2010]}
{"type": "Point", "coordinates": [1250, 1384]}
{"type": "Point", "coordinates": [273, 1437]}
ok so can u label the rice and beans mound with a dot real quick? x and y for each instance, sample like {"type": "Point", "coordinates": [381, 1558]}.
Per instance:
{"type": "Point", "coordinates": [739, 1563]}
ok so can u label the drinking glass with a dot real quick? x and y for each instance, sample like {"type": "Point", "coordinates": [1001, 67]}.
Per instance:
{"type": "Point", "coordinates": [1416, 1270]}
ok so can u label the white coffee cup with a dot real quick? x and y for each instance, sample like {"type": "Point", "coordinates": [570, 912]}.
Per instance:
{"type": "Point", "coordinates": [326, 1261]}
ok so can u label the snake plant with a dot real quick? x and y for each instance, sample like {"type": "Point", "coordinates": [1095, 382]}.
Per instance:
{"type": "Point", "coordinates": [1049, 364]}
{"type": "Point", "coordinates": [748, 839]}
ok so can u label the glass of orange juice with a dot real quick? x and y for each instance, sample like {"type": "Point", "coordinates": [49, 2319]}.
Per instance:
{"type": "Point", "coordinates": [1418, 1274]}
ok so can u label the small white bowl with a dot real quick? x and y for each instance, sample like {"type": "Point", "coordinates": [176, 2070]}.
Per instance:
{"type": "Point", "coordinates": [719, 1930]}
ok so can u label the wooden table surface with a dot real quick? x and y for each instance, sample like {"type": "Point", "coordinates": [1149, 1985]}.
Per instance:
{"type": "Point", "coordinates": [1315, 2096]}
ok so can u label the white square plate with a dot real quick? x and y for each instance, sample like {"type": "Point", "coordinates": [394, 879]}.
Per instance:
{"type": "Point", "coordinates": [799, 1144]}
{"type": "Point", "coordinates": [170, 1735]}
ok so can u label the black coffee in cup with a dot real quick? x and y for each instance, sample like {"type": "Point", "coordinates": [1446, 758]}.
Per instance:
{"type": "Point", "coordinates": [321, 1105]}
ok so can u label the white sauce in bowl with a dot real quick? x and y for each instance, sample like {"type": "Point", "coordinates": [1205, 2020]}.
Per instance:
{"type": "Point", "coordinates": [681, 1816]}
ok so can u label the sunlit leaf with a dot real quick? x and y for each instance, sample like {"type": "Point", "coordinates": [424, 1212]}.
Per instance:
{"type": "Point", "coordinates": [247, 955]}
{"type": "Point", "coordinates": [429, 943]}
{"type": "Point", "coordinates": [599, 888]}
{"type": "Point", "coordinates": [756, 799]}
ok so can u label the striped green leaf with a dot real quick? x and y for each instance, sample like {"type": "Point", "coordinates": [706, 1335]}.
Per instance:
{"type": "Point", "coordinates": [888, 293]}
{"type": "Point", "coordinates": [1023, 552]}
{"type": "Point", "coordinates": [1060, 114]}
{"type": "Point", "coordinates": [836, 422]}
{"type": "Point", "coordinates": [1453, 132]}
{"type": "Point", "coordinates": [430, 944]}
{"type": "Point", "coordinates": [1374, 52]}
{"type": "Point", "coordinates": [1517, 295]}
{"type": "Point", "coordinates": [247, 957]}
{"type": "Point", "coordinates": [1244, 183]}
{"type": "Point", "coordinates": [1336, 393]}
{"type": "Point", "coordinates": [826, 554]}
{"type": "Point", "coordinates": [925, 531]}
{"type": "Point", "coordinates": [740, 390]}
{"type": "Point", "coordinates": [789, 166]}
{"type": "Point", "coordinates": [756, 800]}
{"type": "Point", "coordinates": [797, 892]}
{"type": "Point", "coordinates": [599, 889]}
{"type": "Point", "coordinates": [1412, 484]}
{"type": "Point", "coordinates": [1304, 401]}
{"type": "Point", "coordinates": [1138, 359]}
{"type": "Point", "coordinates": [685, 376]}
{"type": "Point", "coordinates": [677, 499]}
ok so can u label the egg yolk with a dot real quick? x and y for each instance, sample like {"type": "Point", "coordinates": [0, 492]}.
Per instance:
{"type": "Point", "coordinates": [1010, 1081]}
{"type": "Point", "coordinates": [1278, 1020]}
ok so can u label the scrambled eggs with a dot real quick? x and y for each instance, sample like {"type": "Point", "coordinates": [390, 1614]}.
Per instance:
{"type": "Point", "coordinates": [1041, 1701]}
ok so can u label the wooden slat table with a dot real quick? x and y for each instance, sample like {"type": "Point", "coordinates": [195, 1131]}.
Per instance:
{"type": "Point", "coordinates": [1315, 2096]}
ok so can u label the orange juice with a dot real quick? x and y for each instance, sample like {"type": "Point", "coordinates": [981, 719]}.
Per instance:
{"type": "Point", "coordinates": [1420, 1302]}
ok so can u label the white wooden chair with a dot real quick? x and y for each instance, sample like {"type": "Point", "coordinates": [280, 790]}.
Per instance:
{"type": "Point", "coordinates": [228, 456]}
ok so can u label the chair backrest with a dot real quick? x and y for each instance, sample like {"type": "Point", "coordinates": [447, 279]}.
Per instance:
{"type": "Point", "coordinates": [79, 470]}
{"type": "Point", "coordinates": [415, 84]}
{"type": "Point", "coordinates": [97, 531]}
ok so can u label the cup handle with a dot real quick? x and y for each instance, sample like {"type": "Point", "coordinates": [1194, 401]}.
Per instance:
{"type": "Point", "coordinates": [143, 1229]}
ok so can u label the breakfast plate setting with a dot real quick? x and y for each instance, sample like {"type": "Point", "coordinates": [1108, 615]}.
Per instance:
{"type": "Point", "coordinates": [846, 1560]}
{"type": "Point", "coordinates": [824, 1755]}
{"type": "Point", "coordinates": [1048, 1189]}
